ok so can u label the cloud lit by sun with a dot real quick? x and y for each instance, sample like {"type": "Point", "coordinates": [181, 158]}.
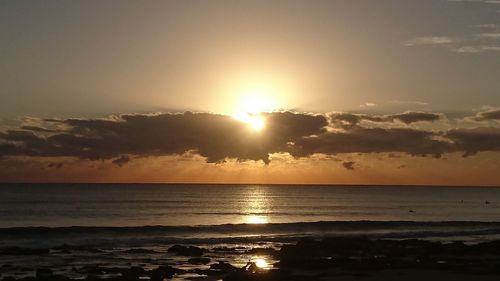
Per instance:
{"type": "Point", "coordinates": [252, 102]}
{"type": "Point", "coordinates": [254, 120]}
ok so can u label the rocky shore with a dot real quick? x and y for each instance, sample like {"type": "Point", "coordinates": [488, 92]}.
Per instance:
{"type": "Point", "coordinates": [339, 258]}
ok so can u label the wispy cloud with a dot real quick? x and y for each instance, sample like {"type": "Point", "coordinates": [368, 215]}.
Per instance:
{"type": "Point", "coordinates": [368, 104]}
{"type": "Point", "coordinates": [488, 25]}
{"type": "Point", "coordinates": [477, 49]}
{"type": "Point", "coordinates": [477, 1]}
{"type": "Point", "coordinates": [408, 102]}
{"type": "Point", "coordinates": [430, 40]}
{"type": "Point", "coordinates": [472, 41]}
{"type": "Point", "coordinates": [494, 35]}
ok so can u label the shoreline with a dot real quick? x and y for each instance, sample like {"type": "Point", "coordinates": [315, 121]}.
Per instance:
{"type": "Point", "coordinates": [334, 258]}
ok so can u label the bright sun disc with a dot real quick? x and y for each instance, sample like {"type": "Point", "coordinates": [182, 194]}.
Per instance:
{"type": "Point", "coordinates": [261, 263]}
{"type": "Point", "coordinates": [255, 121]}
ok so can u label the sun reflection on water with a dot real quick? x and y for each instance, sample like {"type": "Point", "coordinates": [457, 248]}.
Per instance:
{"type": "Point", "coordinates": [261, 263]}
{"type": "Point", "coordinates": [256, 206]}
{"type": "Point", "coordinates": [253, 219]}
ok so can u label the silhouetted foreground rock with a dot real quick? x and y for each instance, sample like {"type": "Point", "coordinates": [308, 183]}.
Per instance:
{"type": "Point", "coordinates": [18, 251]}
{"type": "Point", "coordinates": [199, 260]}
{"type": "Point", "coordinates": [189, 251]}
{"type": "Point", "coordinates": [340, 258]}
{"type": "Point", "coordinates": [331, 258]}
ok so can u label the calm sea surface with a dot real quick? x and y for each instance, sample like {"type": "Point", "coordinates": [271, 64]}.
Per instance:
{"type": "Point", "coordinates": [59, 205]}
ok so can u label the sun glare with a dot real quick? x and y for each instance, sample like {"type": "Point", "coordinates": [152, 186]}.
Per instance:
{"type": "Point", "coordinates": [253, 219]}
{"type": "Point", "coordinates": [261, 263]}
{"type": "Point", "coordinates": [254, 120]}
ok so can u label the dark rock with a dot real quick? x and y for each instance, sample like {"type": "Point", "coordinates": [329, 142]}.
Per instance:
{"type": "Point", "coordinates": [263, 251]}
{"type": "Point", "coordinates": [27, 279]}
{"type": "Point", "coordinates": [225, 249]}
{"type": "Point", "coordinates": [199, 260]}
{"type": "Point", "coordinates": [190, 251]}
{"type": "Point", "coordinates": [53, 278]}
{"type": "Point", "coordinates": [67, 248]}
{"type": "Point", "coordinates": [43, 272]}
{"type": "Point", "coordinates": [140, 251]}
{"type": "Point", "coordinates": [91, 270]}
{"type": "Point", "coordinates": [272, 275]}
{"type": "Point", "coordinates": [208, 272]}
{"type": "Point", "coordinates": [222, 266]}
{"type": "Point", "coordinates": [133, 273]}
{"type": "Point", "coordinates": [162, 272]}
{"type": "Point", "coordinates": [17, 251]}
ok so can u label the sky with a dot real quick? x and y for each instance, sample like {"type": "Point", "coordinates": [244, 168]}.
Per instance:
{"type": "Point", "coordinates": [340, 92]}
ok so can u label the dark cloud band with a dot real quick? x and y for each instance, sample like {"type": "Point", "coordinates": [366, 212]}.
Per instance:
{"type": "Point", "coordinates": [219, 137]}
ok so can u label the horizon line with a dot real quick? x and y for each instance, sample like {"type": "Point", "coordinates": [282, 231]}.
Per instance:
{"type": "Point", "coordinates": [273, 184]}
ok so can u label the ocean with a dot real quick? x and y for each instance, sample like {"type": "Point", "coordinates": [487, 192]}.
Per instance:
{"type": "Point", "coordinates": [107, 223]}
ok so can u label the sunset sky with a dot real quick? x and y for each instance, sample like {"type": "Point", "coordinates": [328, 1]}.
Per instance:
{"type": "Point", "coordinates": [341, 92]}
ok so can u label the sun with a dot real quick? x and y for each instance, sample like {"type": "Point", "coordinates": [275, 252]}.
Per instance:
{"type": "Point", "coordinates": [254, 120]}
{"type": "Point", "coordinates": [262, 263]}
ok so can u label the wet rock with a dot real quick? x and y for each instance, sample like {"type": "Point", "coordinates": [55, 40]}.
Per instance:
{"type": "Point", "coordinates": [91, 270]}
{"type": "Point", "coordinates": [222, 266]}
{"type": "Point", "coordinates": [53, 278]}
{"type": "Point", "coordinates": [225, 249]}
{"type": "Point", "coordinates": [67, 248]}
{"type": "Point", "coordinates": [272, 275]}
{"type": "Point", "coordinates": [27, 279]}
{"type": "Point", "coordinates": [190, 251]}
{"type": "Point", "coordinates": [263, 251]}
{"type": "Point", "coordinates": [18, 251]}
{"type": "Point", "coordinates": [162, 272]}
{"type": "Point", "coordinates": [133, 273]}
{"type": "Point", "coordinates": [199, 260]}
{"type": "Point", "coordinates": [140, 251]}
{"type": "Point", "coordinates": [43, 272]}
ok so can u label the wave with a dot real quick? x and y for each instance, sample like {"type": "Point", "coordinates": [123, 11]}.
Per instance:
{"type": "Point", "coordinates": [225, 233]}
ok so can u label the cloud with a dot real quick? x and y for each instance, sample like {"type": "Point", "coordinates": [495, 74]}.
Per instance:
{"type": "Point", "coordinates": [430, 40]}
{"type": "Point", "coordinates": [492, 114]}
{"type": "Point", "coordinates": [487, 25]}
{"type": "Point", "coordinates": [373, 140]}
{"type": "Point", "coordinates": [55, 165]}
{"type": "Point", "coordinates": [409, 102]}
{"type": "Point", "coordinates": [472, 141]}
{"type": "Point", "coordinates": [349, 165]}
{"type": "Point", "coordinates": [416, 116]}
{"type": "Point", "coordinates": [368, 104]}
{"type": "Point", "coordinates": [490, 35]}
{"type": "Point", "coordinates": [347, 120]}
{"type": "Point", "coordinates": [477, 1]}
{"type": "Point", "coordinates": [217, 138]}
{"type": "Point", "coordinates": [122, 160]}
{"type": "Point", "coordinates": [477, 49]}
